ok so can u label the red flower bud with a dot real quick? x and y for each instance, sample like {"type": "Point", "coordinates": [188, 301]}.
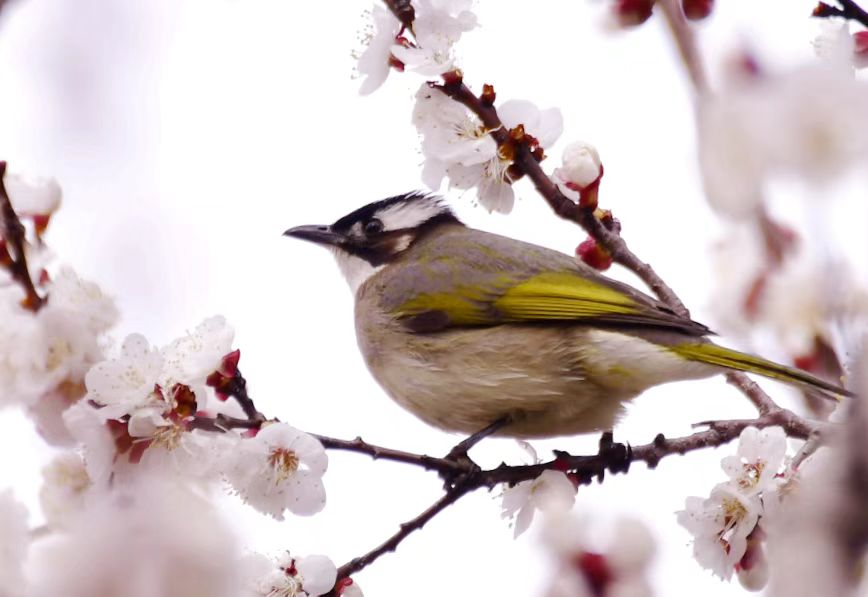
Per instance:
{"type": "Point", "coordinates": [633, 12]}
{"type": "Point", "coordinates": [594, 255]}
{"type": "Point", "coordinates": [696, 10]}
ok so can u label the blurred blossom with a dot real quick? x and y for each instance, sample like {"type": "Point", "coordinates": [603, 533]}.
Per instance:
{"type": "Point", "coordinates": [14, 543]}
{"type": "Point", "coordinates": [834, 42]}
{"type": "Point", "coordinates": [151, 537]}
{"type": "Point", "coordinates": [65, 483]}
{"type": "Point", "coordinates": [552, 491]}
{"type": "Point", "coordinates": [57, 345]}
{"type": "Point", "coordinates": [796, 300]}
{"type": "Point", "coordinates": [280, 468]}
{"type": "Point", "coordinates": [811, 123]}
{"type": "Point", "coordinates": [618, 567]}
{"type": "Point", "coordinates": [457, 145]}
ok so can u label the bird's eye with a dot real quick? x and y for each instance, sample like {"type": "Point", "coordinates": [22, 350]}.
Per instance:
{"type": "Point", "coordinates": [373, 226]}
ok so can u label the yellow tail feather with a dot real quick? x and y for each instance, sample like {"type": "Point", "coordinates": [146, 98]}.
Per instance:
{"type": "Point", "coordinates": [712, 354]}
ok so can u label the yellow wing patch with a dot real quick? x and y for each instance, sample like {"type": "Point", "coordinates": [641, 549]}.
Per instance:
{"type": "Point", "coordinates": [547, 296]}
{"type": "Point", "coordinates": [556, 295]}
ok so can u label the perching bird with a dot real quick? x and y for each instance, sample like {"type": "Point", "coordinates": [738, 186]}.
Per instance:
{"type": "Point", "coordinates": [465, 328]}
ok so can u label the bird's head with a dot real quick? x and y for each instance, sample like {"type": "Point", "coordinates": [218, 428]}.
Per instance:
{"type": "Point", "coordinates": [371, 237]}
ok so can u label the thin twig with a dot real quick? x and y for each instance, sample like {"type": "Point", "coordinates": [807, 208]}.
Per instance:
{"type": "Point", "coordinates": [682, 33]}
{"type": "Point", "coordinates": [236, 386]}
{"type": "Point", "coordinates": [850, 10]}
{"type": "Point", "coordinates": [12, 231]}
{"type": "Point", "coordinates": [431, 463]}
{"type": "Point", "coordinates": [406, 529]}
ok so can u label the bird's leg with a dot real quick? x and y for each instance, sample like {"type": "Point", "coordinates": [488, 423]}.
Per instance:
{"type": "Point", "coordinates": [460, 450]}
{"type": "Point", "coordinates": [617, 457]}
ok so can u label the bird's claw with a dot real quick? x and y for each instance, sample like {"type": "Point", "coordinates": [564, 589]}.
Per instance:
{"type": "Point", "coordinates": [616, 456]}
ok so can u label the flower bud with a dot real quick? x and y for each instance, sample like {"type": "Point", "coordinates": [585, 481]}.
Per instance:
{"type": "Point", "coordinates": [633, 12]}
{"type": "Point", "coordinates": [594, 255]}
{"type": "Point", "coordinates": [860, 49]}
{"type": "Point", "coordinates": [696, 10]}
{"type": "Point", "coordinates": [579, 177]}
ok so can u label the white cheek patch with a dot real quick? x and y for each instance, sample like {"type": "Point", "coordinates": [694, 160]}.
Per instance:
{"type": "Point", "coordinates": [402, 242]}
{"type": "Point", "coordinates": [355, 269]}
{"type": "Point", "coordinates": [409, 215]}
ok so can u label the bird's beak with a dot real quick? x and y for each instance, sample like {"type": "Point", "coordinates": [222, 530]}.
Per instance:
{"type": "Point", "coordinates": [321, 235]}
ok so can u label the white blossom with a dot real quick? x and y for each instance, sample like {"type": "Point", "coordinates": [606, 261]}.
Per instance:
{"type": "Point", "coordinates": [289, 576]}
{"type": "Point", "coordinates": [190, 359]}
{"type": "Point", "coordinates": [811, 123]}
{"type": "Point", "coordinates": [31, 195]}
{"type": "Point", "coordinates": [581, 167]}
{"type": "Point", "coordinates": [14, 543]}
{"type": "Point", "coordinates": [280, 468]}
{"type": "Point", "coordinates": [374, 61]}
{"type": "Point", "coordinates": [123, 384]}
{"type": "Point", "coordinates": [438, 26]}
{"type": "Point", "coordinates": [552, 491]}
{"type": "Point", "coordinates": [759, 458]}
{"type": "Point", "coordinates": [457, 145]}
{"type": "Point", "coordinates": [150, 537]}
{"type": "Point", "coordinates": [720, 525]}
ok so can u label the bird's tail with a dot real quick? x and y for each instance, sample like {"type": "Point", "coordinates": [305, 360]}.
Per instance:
{"type": "Point", "coordinates": [712, 354]}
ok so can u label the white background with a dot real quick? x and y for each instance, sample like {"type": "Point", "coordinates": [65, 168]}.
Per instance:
{"type": "Point", "coordinates": [187, 136]}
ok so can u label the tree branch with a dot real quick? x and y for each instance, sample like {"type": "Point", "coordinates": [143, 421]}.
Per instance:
{"type": "Point", "coordinates": [586, 468]}
{"type": "Point", "coordinates": [850, 10]}
{"type": "Point", "coordinates": [682, 33]}
{"type": "Point", "coordinates": [12, 231]}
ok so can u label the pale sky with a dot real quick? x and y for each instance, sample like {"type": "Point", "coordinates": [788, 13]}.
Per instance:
{"type": "Point", "coordinates": [188, 134]}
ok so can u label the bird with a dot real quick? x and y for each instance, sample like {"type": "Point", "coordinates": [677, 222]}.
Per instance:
{"type": "Point", "coordinates": [466, 328]}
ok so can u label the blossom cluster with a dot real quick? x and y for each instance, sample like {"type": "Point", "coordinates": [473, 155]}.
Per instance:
{"type": "Point", "coordinates": [152, 432]}
{"type": "Point", "coordinates": [727, 526]}
{"type": "Point", "coordinates": [455, 143]}
{"type": "Point", "coordinates": [437, 27]}
{"type": "Point", "coordinates": [155, 408]}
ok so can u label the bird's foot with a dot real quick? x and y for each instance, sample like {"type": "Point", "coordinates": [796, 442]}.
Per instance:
{"type": "Point", "coordinates": [459, 453]}
{"type": "Point", "coordinates": [616, 457]}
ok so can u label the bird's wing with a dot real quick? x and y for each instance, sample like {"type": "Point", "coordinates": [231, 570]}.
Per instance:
{"type": "Point", "coordinates": [468, 289]}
